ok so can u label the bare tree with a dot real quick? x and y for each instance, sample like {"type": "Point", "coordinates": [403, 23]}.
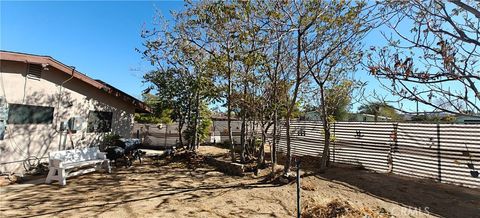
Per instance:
{"type": "Point", "coordinates": [334, 52]}
{"type": "Point", "coordinates": [435, 63]}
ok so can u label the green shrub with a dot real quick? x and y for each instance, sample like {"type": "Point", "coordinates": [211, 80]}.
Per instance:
{"type": "Point", "coordinates": [109, 140]}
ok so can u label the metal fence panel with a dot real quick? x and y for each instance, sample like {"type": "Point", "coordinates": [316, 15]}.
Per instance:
{"type": "Point", "coordinates": [364, 144]}
{"type": "Point", "coordinates": [447, 153]}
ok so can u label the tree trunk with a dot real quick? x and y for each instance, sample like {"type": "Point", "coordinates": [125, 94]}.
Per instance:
{"type": "Point", "coordinates": [326, 129]}
{"type": "Point", "coordinates": [243, 128]}
{"type": "Point", "coordinates": [180, 135]}
{"type": "Point", "coordinates": [229, 107]}
{"type": "Point", "coordinates": [261, 152]}
{"type": "Point", "coordinates": [375, 115]}
{"type": "Point", "coordinates": [288, 161]}
{"type": "Point", "coordinates": [189, 118]}
{"type": "Point", "coordinates": [288, 158]}
{"type": "Point", "coordinates": [273, 147]}
{"type": "Point", "coordinates": [253, 134]}
{"type": "Point", "coordinates": [242, 139]}
{"type": "Point", "coordinates": [195, 123]}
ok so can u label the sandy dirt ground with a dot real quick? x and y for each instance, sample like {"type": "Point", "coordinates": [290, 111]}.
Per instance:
{"type": "Point", "coordinates": [175, 188]}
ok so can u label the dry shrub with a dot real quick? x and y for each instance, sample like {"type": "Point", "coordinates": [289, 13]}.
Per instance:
{"type": "Point", "coordinates": [335, 208]}
{"type": "Point", "coordinates": [8, 180]}
{"type": "Point", "coordinates": [308, 186]}
{"type": "Point", "coordinates": [378, 213]}
{"type": "Point", "coordinates": [309, 163]}
{"type": "Point", "coordinates": [181, 159]}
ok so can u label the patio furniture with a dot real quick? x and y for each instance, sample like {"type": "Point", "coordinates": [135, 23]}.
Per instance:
{"type": "Point", "coordinates": [63, 163]}
{"type": "Point", "coordinates": [130, 142]}
{"type": "Point", "coordinates": [132, 146]}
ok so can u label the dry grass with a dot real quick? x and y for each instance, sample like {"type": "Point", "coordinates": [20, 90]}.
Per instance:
{"type": "Point", "coordinates": [338, 208]}
{"type": "Point", "coordinates": [333, 209]}
{"type": "Point", "coordinates": [185, 187]}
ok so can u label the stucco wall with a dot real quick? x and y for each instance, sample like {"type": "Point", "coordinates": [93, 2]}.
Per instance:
{"type": "Point", "coordinates": [76, 98]}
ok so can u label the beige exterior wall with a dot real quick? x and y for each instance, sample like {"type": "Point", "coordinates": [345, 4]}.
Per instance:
{"type": "Point", "coordinates": [76, 98]}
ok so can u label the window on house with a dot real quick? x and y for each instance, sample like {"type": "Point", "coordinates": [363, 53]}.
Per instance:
{"type": "Point", "coordinates": [29, 114]}
{"type": "Point", "coordinates": [99, 121]}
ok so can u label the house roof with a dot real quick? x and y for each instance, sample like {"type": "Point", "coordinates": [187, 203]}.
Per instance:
{"type": "Point", "coordinates": [371, 115]}
{"type": "Point", "coordinates": [140, 106]}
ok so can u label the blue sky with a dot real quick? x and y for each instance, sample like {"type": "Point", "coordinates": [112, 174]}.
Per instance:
{"type": "Point", "coordinates": [99, 38]}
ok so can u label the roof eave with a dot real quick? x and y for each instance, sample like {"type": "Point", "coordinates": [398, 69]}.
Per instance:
{"type": "Point", "coordinates": [38, 59]}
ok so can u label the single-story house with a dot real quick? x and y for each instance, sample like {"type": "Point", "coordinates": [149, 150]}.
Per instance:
{"type": "Point", "coordinates": [311, 116]}
{"type": "Point", "coordinates": [46, 105]}
{"type": "Point", "coordinates": [353, 117]}
{"type": "Point", "coordinates": [367, 118]}
{"type": "Point", "coordinates": [219, 131]}
{"type": "Point", "coordinates": [468, 119]}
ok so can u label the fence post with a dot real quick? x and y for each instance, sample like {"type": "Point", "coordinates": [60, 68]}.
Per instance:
{"type": "Point", "coordinates": [393, 147]}
{"type": "Point", "coordinates": [439, 154]}
{"type": "Point", "coordinates": [298, 187]}
{"type": "Point", "coordinates": [334, 142]}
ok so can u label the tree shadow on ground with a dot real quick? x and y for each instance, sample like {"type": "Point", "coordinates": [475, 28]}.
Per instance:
{"type": "Point", "coordinates": [97, 193]}
{"type": "Point", "coordinates": [172, 185]}
{"type": "Point", "coordinates": [418, 194]}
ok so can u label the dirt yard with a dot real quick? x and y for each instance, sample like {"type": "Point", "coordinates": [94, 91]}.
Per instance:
{"type": "Point", "coordinates": [176, 188]}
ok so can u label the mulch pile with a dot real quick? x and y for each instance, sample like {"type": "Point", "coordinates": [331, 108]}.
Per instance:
{"type": "Point", "coordinates": [337, 208]}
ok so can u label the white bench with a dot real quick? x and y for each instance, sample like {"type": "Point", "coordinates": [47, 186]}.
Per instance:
{"type": "Point", "coordinates": [62, 163]}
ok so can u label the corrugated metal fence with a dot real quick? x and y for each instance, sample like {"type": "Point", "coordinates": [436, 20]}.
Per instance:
{"type": "Point", "coordinates": [448, 153]}
{"type": "Point", "coordinates": [156, 135]}
{"type": "Point", "coordinates": [161, 135]}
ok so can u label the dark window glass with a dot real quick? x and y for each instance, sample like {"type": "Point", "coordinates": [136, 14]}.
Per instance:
{"type": "Point", "coordinates": [29, 114]}
{"type": "Point", "coordinates": [99, 121]}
